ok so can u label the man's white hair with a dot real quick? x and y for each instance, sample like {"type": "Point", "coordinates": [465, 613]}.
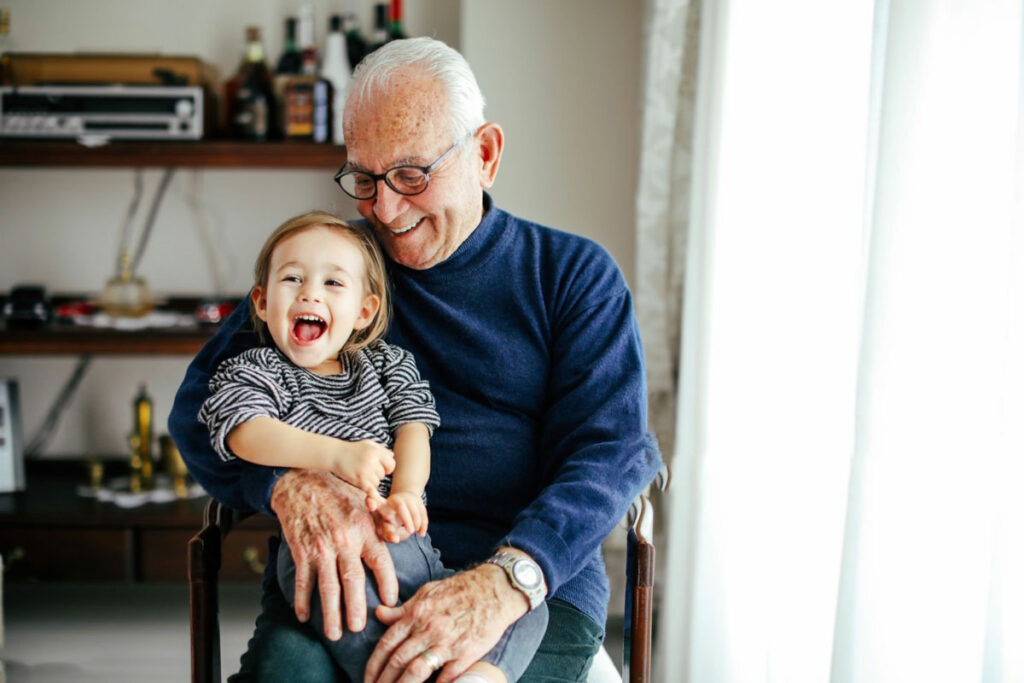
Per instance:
{"type": "Point", "coordinates": [434, 58]}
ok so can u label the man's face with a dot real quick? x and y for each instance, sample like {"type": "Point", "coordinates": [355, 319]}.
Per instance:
{"type": "Point", "coordinates": [408, 126]}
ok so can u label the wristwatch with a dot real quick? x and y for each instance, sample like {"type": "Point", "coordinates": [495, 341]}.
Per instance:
{"type": "Point", "coordinates": [524, 574]}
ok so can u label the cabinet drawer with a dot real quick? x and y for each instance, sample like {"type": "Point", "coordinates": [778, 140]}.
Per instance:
{"type": "Point", "coordinates": [32, 553]}
{"type": "Point", "coordinates": [163, 554]}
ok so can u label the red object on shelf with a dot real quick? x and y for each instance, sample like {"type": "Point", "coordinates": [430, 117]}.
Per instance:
{"type": "Point", "coordinates": [73, 309]}
{"type": "Point", "coordinates": [213, 312]}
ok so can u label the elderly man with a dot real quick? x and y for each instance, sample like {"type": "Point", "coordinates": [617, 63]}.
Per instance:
{"type": "Point", "coordinates": [528, 339]}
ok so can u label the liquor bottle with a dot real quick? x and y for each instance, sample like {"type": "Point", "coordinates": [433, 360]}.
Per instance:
{"type": "Point", "coordinates": [336, 71]}
{"type": "Point", "coordinates": [290, 61]}
{"type": "Point", "coordinates": [354, 42]}
{"type": "Point", "coordinates": [396, 30]}
{"type": "Point", "coordinates": [308, 103]}
{"type": "Point", "coordinates": [289, 64]}
{"type": "Point", "coordinates": [253, 108]}
{"type": "Point", "coordinates": [380, 26]}
{"type": "Point", "coordinates": [305, 38]}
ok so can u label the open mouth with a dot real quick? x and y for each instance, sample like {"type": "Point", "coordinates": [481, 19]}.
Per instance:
{"type": "Point", "coordinates": [308, 328]}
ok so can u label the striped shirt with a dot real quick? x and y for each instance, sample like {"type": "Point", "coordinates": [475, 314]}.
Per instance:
{"type": "Point", "coordinates": [376, 391]}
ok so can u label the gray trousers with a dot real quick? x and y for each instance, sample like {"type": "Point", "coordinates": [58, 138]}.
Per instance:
{"type": "Point", "coordinates": [416, 562]}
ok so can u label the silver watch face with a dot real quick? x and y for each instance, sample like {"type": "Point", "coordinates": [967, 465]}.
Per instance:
{"type": "Point", "coordinates": [527, 574]}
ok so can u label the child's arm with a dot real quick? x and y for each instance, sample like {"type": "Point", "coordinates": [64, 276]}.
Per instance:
{"type": "Point", "coordinates": [412, 458]}
{"type": "Point", "coordinates": [403, 513]}
{"type": "Point", "coordinates": [268, 441]}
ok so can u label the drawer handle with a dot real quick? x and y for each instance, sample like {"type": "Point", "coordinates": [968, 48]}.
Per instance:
{"type": "Point", "coordinates": [251, 555]}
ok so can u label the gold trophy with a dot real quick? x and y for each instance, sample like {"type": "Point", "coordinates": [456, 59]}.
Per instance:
{"type": "Point", "coordinates": [175, 466]}
{"type": "Point", "coordinates": [142, 443]}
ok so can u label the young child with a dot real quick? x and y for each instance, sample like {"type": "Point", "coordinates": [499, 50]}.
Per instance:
{"type": "Point", "coordinates": [321, 294]}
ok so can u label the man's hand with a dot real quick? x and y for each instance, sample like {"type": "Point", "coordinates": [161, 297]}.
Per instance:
{"type": "Point", "coordinates": [459, 619]}
{"type": "Point", "coordinates": [331, 534]}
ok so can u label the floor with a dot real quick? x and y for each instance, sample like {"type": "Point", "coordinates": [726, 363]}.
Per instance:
{"type": "Point", "coordinates": [114, 633]}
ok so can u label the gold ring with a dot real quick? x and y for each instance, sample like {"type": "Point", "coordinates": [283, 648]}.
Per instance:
{"type": "Point", "coordinates": [432, 660]}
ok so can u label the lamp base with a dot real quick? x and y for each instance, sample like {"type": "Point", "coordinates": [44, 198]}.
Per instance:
{"type": "Point", "coordinates": [126, 298]}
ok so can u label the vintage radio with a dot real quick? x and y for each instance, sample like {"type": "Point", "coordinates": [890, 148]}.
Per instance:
{"type": "Point", "coordinates": [115, 112]}
{"type": "Point", "coordinates": [77, 68]}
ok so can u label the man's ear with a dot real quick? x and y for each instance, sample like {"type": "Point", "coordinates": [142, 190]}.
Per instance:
{"type": "Point", "coordinates": [259, 302]}
{"type": "Point", "coordinates": [492, 141]}
{"type": "Point", "coordinates": [371, 304]}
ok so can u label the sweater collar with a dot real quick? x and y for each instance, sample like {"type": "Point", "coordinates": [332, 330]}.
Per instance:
{"type": "Point", "coordinates": [474, 252]}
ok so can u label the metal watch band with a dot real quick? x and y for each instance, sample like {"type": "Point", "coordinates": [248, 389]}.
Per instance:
{"type": "Point", "coordinates": [520, 572]}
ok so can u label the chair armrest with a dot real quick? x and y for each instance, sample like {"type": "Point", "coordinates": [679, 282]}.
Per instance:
{"type": "Point", "coordinates": [204, 558]}
{"type": "Point", "coordinates": [636, 656]}
{"type": "Point", "coordinates": [640, 556]}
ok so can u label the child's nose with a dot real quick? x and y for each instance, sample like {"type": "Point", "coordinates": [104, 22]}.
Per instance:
{"type": "Point", "coordinates": [310, 292]}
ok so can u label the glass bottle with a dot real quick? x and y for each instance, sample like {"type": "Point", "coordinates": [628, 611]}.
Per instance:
{"type": "Point", "coordinates": [336, 71]}
{"type": "Point", "coordinates": [355, 44]}
{"type": "Point", "coordinates": [253, 110]}
{"type": "Point", "coordinates": [396, 29]}
{"type": "Point", "coordinates": [380, 26]}
{"type": "Point", "coordinates": [289, 64]}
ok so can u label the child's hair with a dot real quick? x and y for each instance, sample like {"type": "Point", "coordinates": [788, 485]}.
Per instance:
{"type": "Point", "coordinates": [376, 274]}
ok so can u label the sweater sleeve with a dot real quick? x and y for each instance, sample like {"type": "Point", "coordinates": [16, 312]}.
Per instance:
{"type": "Point", "coordinates": [243, 388]}
{"type": "Point", "coordinates": [410, 399]}
{"type": "Point", "coordinates": [235, 483]}
{"type": "Point", "coordinates": [595, 449]}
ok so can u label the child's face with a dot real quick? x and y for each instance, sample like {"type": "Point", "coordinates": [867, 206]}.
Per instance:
{"type": "Point", "coordinates": [315, 297]}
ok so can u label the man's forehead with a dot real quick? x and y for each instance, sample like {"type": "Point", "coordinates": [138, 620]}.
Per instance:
{"type": "Point", "coordinates": [406, 123]}
{"type": "Point", "coordinates": [385, 149]}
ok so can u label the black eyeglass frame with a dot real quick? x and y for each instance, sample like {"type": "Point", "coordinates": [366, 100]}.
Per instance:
{"type": "Point", "coordinates": [425, 170]}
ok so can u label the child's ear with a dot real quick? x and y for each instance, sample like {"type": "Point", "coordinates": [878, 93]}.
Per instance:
{"type": "Point", "coordinates": [259, 302]}
{"type": "Point", "coordinates": [371, 304]}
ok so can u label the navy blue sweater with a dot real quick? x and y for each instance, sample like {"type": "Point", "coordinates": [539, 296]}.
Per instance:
{"type": "Point", "coordinates": [528, 339]}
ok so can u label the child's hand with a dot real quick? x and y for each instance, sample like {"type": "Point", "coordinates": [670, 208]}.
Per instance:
{"type": "Point", "coordinates": [400, 516]}
{"type": "Point", "coordinates": [363, 464]}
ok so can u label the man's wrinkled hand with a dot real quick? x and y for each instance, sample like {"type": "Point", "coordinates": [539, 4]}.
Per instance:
{"type": "Point", "coordinates": [459, 619]}
{"type": "Point", "coordinates": [331, 534]}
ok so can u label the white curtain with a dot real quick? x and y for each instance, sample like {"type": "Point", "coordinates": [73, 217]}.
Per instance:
{"type": "Point", "coordinates": [847, 493]}
{"type": "Point", "coordinates": [663, 198]}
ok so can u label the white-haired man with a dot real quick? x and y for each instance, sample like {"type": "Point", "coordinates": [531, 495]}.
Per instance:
{"type": "Point", "coordinates": [528, 339]}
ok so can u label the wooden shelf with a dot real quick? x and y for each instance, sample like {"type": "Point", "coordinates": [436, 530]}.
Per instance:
{"type": "Point", "coordinates": [213, 154]}
{"type": "Point", "coordinates": [69, 339]}
{"type": "Point", "coordinates": [66, 338]}
{"type": "Point", "coordinates": [50, 532]}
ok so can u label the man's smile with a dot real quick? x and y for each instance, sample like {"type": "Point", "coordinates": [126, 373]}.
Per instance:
{"type": "Point", "coordinates": [408, 228]}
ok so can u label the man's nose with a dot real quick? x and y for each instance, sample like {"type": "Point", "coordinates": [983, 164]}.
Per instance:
{"type": "Point", "coordinates": [387, 204]}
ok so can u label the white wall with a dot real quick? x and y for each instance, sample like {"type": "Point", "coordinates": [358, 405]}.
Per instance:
{"type": "Point", "coordinates": [561, 77]}
{"type": "Point", "coordinates": [563, 80]}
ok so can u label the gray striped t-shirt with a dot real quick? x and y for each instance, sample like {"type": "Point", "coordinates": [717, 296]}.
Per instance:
{"type": "Point", "coordinates": [378, 390]}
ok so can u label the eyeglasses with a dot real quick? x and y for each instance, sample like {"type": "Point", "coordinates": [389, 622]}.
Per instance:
{"type": "Point", "coordinates": [407, 180]}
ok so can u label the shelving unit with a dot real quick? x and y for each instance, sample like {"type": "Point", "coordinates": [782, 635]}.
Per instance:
{"type": "Point", "coordinates": [69, 339]}
{"type": "Point", "coordinates": [203, 154]}
{"type": "Point", "coordinates": [55, 534]}
{"type": "Point", "coordinates": [59, 338]}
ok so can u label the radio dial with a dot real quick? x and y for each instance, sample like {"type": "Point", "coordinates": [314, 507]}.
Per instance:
{"type": "Point", "coordinates": [184, 108]}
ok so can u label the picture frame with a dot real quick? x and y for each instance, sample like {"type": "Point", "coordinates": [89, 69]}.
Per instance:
{"type": "Point", "coordinates": [12, 457]}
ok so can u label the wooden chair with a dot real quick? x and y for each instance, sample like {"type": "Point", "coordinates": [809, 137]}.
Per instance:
{"type": "Point", "coordinates": [204, 560]}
